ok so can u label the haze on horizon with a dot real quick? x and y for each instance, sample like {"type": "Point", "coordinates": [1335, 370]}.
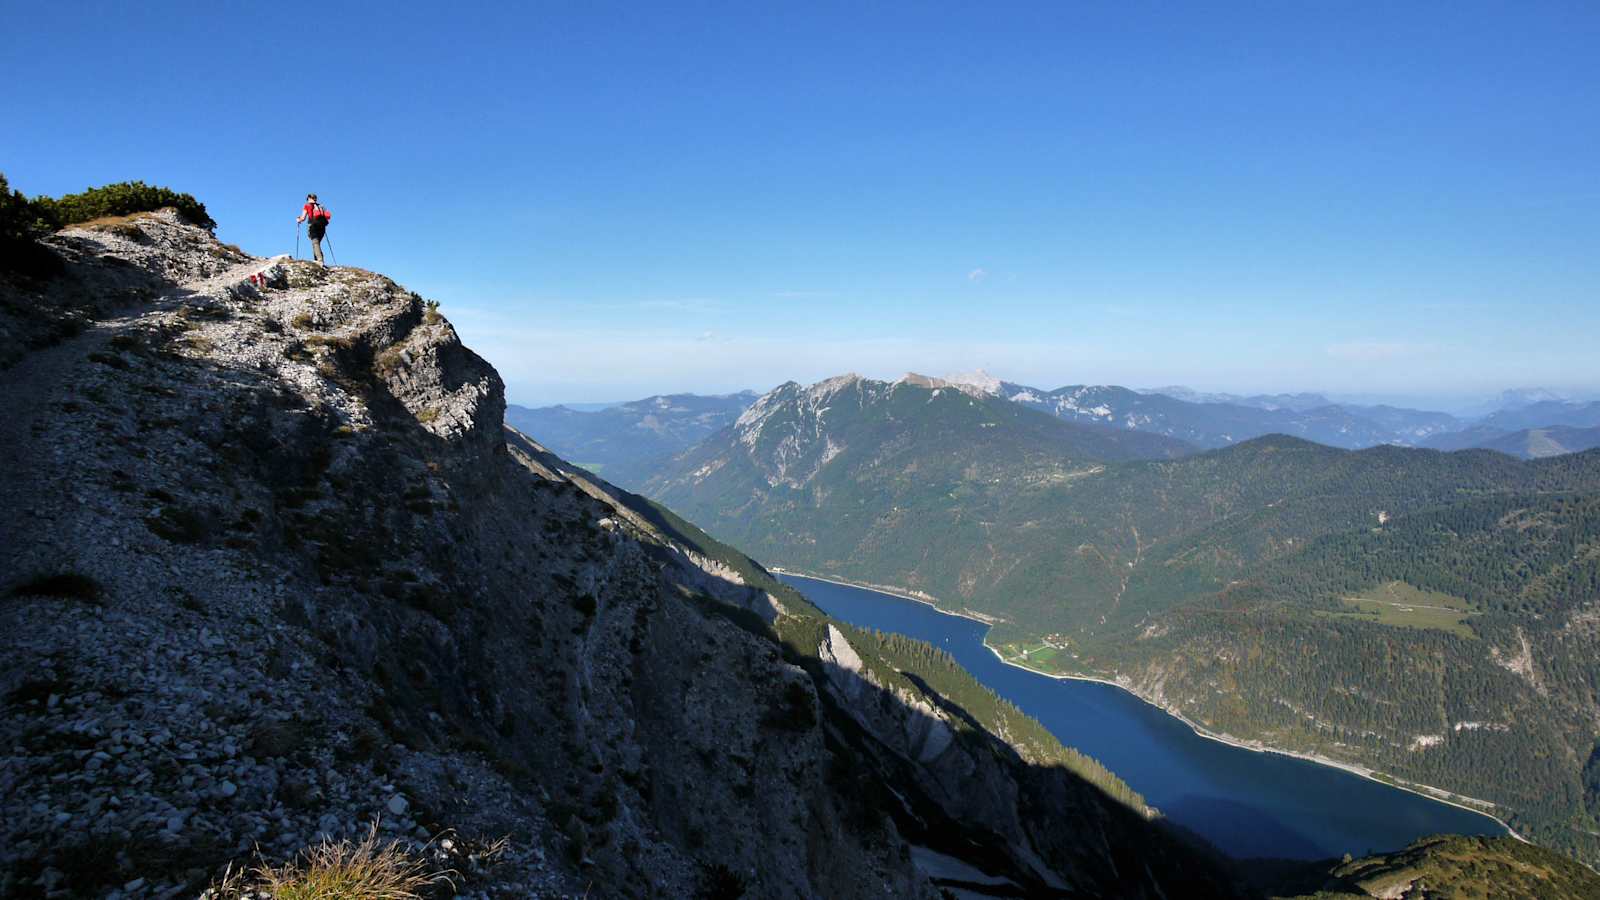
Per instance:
{"type": "Point", "coordinates": [610, 201]}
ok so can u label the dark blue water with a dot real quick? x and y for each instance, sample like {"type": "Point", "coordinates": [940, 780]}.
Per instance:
{"type": "Point", "coordinates": [1247, 803]}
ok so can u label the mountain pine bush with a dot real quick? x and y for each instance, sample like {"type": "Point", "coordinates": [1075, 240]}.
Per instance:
{"type": "Point", "coordinates": [22, 221]}
{"type": "Point", "coordinates": [20, 218]}
{"type": "Point", "coordinates": [121, 199]}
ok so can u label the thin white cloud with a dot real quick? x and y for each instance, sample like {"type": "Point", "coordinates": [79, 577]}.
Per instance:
{"type": "Point", "coordinates": [803, 295]}
{"type": "Point", "coordinates": [977, 275]}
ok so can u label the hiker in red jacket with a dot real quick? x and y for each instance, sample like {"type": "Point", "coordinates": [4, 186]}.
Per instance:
{"type": "Point", "coordinates": [318, 216]}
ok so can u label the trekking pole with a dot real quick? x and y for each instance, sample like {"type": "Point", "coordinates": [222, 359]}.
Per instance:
{"type": "Point", "coordinates": [331, 255]}
{"type": "Point", "coordinates": [297, 240]}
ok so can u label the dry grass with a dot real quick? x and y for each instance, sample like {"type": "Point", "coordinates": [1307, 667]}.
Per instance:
{"type": "Point", "coordinates": [122, 225]}
{"type": "Point", "coordinates": [337, 342]}
{"type": "Point", "coordinates": [388, 361]}
{"type": "Point", "coordinates": [338, 870]}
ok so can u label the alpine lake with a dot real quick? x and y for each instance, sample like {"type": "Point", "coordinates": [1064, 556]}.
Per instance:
{"type": "Point", "coordinates": [1249, 804]}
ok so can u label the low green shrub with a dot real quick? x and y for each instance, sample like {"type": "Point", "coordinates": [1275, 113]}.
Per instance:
{"type": "Point", "coordinates": [22, 222]}
{"type": "Point", "coordinates": [121, 199]}
{"type": "Point", "coordinates": [20, 218]}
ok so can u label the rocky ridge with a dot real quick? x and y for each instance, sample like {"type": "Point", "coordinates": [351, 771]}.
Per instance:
{"type": "Point", "coordinates": [273, 571]}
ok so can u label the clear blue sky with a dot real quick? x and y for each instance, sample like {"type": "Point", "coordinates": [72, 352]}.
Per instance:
{"type": "Point", "coordinates": [1397, 199]}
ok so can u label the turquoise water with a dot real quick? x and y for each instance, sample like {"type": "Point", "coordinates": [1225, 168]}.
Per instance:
{"type": "Point", "coordinates": [1249, 804]}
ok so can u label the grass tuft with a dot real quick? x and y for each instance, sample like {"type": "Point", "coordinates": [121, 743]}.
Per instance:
{"type": "Point", "coordinates": [389, 361]}
{"type": "Point", "coordinates": [337, 870]}
{"type": "Point", "coordinates": [337, 342]}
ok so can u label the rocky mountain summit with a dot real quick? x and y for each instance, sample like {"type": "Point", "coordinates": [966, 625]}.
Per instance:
{"type": "Point", "coordinates": [273, 570]}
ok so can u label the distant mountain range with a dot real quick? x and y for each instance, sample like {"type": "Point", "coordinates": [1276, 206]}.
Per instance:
{"type": "Point", "coordinates": [1515, 398]}
{"type": "Point", "coordinates": [1499, 428]}
{"type": "Point", "coordinates": [630, 442]}
{"type": "Point", "coordinates": [1212, 420]}
{"type": "Point", "coordinates": [627, 441]}
{"type": "Point", "coordinates": [1535, 443]}
{"type": "Point", "coordinates": [1296, 402]}
{"type": "Point", "coordinates": [1431, 615]}
{"type": "Point", "coordinates": [1215, 423]}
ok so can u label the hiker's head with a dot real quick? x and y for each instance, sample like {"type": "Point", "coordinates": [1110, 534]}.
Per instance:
{"type": "Point", "coordinates": [311, 197]}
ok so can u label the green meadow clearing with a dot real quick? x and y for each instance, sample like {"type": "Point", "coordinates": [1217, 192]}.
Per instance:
{"type": "Point", "coordinates": [1401, 605]}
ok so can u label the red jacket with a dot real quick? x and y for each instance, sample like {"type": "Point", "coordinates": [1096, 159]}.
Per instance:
{"type": "Point", "coordinates": [315, 211]}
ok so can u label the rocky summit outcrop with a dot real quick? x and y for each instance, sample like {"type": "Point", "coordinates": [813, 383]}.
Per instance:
{"type": "Point", "coordinates": [271, 570]}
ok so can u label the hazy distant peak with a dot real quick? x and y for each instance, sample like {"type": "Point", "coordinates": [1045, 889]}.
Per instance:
{"type": "Point", "coordinates": [971, 384]}
{"type": "Point", "coordinates": [1516, 398]}
{"type": "Point", "coordinates": [829, 386]}
{"type": "Point", "coordinates": [978, 379]}
{"type": "Point", "coordinates": [918, 380]}
{"type": "Point", "coordinates": [1300, 402]}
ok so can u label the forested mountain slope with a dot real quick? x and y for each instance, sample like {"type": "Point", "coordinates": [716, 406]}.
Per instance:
{"type": "Point", "coordinates": [1554, 441]}
{"type": "Point", "coordinates": [1545, 415]}
{"type": "Point", "coordinates": [1532, 443]}
{"type": "Point", "coordinates": [853, 465]}
{"type": "Point", "coordinates": [272, 569]}
{"type": "Point", "coordinates": [1449, 868]}
{"type": "Point", "coordinates": [1427, 614]}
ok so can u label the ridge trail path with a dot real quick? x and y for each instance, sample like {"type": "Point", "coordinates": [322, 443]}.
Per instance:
{"type": "Point", "coordinates": [34, 389]}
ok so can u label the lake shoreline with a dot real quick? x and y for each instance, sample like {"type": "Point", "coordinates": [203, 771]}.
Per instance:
{"type": "Point", "coordinates": [1436, 794]}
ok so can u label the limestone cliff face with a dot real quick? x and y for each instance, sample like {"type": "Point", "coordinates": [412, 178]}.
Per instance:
{"type": "Point", "coordinates": [273, 569]}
